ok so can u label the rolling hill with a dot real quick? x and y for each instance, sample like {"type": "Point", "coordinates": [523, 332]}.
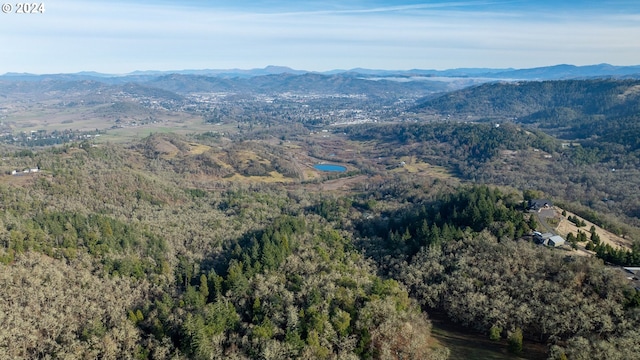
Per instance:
{"type": "Point", "coordinates": [602, 109]}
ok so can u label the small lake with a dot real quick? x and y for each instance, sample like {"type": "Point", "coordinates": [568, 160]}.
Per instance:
{"type": "Point", "coordinates": [330, 167]}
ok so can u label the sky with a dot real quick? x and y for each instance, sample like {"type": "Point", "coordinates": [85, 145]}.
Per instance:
{"type": "Point", "coordinates": [118, 36]}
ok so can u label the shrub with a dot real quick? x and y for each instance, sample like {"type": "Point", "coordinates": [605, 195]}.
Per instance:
{"type": "Point", "coordinates": [495, 332]}
{"type": "Point", "coordinates": [515, 341]}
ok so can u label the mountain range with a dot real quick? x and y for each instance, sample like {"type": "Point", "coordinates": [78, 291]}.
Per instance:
{"type": "Point", "coordinates": [555, 72]}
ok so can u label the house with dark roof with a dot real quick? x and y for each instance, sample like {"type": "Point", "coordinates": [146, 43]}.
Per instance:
{"type": "Point", "coordinates": [633, 275]}
{"type": "Point", "coordinates": [539, 204]}
{"type": "Point", "coordinates": [541, 239]}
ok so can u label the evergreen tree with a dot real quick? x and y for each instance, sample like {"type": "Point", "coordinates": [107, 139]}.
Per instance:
{"type": "Point", "coordinates": [533, 224]}
{"type": "Point", "coordinates": [204, 287]}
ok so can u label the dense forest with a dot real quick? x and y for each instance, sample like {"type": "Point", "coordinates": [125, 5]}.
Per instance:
{"type": "Point", "coordinates": [242, 271]}
{"type": "Point", "coordinates": [111, 251]}
{"type": "Point", "coordinates": [457, 254]}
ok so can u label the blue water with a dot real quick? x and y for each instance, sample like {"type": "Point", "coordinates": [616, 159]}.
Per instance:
{"type": "Point", "coordinates": [330, 167]}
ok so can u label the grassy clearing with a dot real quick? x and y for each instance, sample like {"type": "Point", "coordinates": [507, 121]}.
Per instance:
{"type": "Point", "coordinates": [124, 135]}
{"type": "Point", "coordinates": [309, 174]}
{"type": "Point", "coordinates": [439, 172]}
{"type": "Point", "coordinates": [197, 149]}
{"type": "Point", "coordinates": [18, 180]}
{"type": "Point", "coordinates": [470, 346]}
{"type": "Point", "coordinates": [413, 166]}
{"type": "Point", "coordinates": [246, 156]}
{"type": "Point", "coordinates": [565, 227]}
{"type": "Point", "coordinates": [220, 162]}
{"type": "Point", "coordinates": [129, 134]}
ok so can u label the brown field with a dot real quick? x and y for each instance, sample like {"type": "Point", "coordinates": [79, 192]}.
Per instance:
{"type": "Point", "coordinates": [19, 180]}
{"type": "Point", "coordinates": [565, 227]}
{"type": "Point", "coordinates": [197, 149]}
{"type": "Point", "coordinates": [415, 166]}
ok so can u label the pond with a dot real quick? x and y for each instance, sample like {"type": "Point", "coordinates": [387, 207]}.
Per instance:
{"type": "Point", "coordinates": [330, 167]}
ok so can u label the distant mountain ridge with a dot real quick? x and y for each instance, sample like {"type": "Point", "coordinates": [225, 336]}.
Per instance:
{"type": "Point", "coordinates": [555, 72]}
{"type": "Point", "coordinates": [525, 98]}
{"type": "Point", "coordinates": [173, 87]}
{"type": "Point", "coordinates": [285, 82]}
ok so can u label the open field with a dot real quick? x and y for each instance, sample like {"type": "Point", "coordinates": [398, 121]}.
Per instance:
{"type": "Point", "coordinates": [197, 149]}
{"type": "Point", "coordinates": [38, 117]}
{"type": "Point", "coordinates": [565, 227]}
{"type": "Point", "coordinates": [409, 164]}
{"type": "Point", "coordinates": [120, 126]}
{"type": "Point", "coordinates": [20, 180]}
{"type": "Point", "coordinates": [178, 124]}
{"type": "Point", "coordinates": [467, 345]}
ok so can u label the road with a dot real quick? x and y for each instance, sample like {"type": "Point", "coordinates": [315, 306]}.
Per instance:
{"type": "Point", "coordinates": [542, 220]}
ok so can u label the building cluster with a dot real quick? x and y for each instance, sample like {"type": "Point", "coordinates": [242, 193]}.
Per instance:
{"type": "Point", "coordinates": [548, 239]}
{"type": "Point", "coordinates": [25, 171]}
{"type": "Point", "coordinates": [46, 138]}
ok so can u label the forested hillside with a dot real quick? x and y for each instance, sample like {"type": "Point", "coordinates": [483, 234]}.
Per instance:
{"type": "Point", "coordinates": [603, 110]}
{"type": "Point", "coordinates": [456, 254]}
{"type": "Point", "coordinates": [120, 246]}
{"type": "Point", "coordinates": [241, 271]}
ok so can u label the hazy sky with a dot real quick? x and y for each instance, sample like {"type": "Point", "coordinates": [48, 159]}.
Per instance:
{"type": "Point", "coordinates": [123, 36]}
